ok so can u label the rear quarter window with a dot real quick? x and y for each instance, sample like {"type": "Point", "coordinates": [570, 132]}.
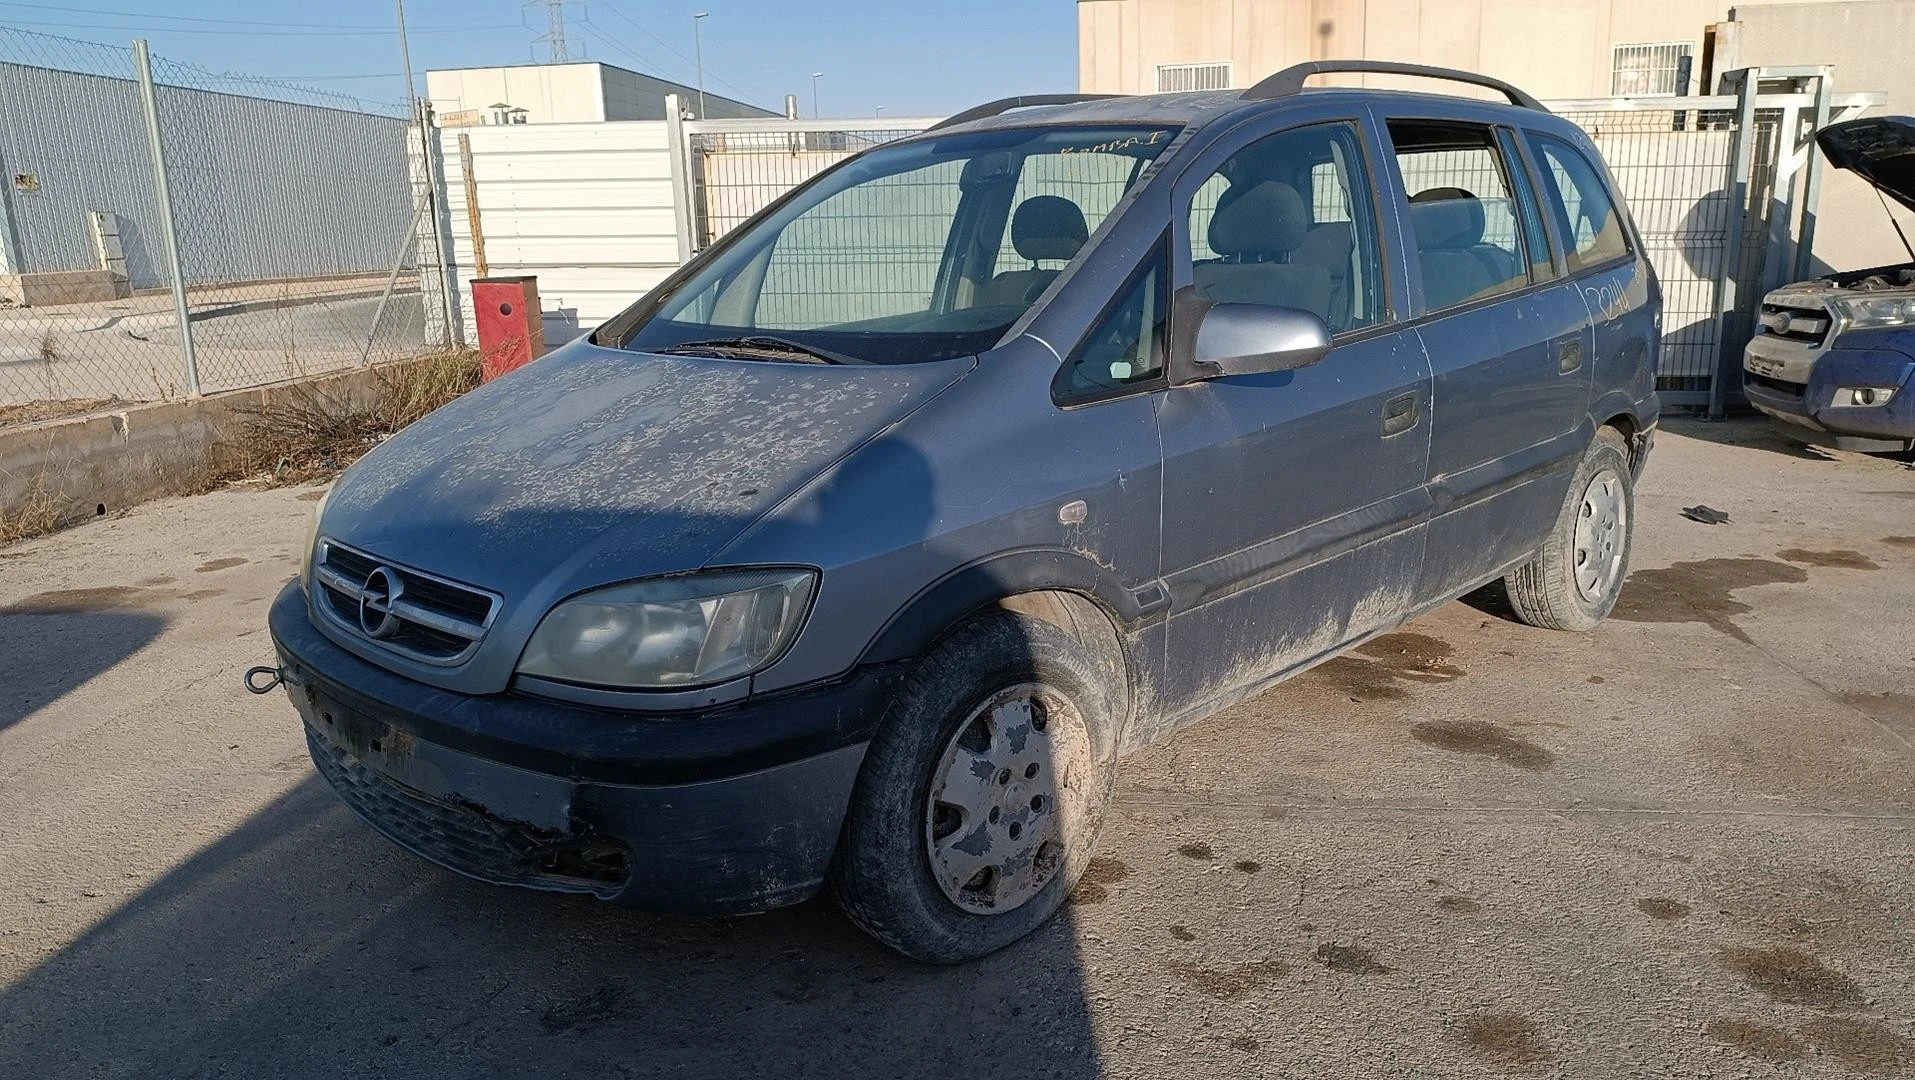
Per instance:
{"type": "Point", "coordinates": [1586, 213]}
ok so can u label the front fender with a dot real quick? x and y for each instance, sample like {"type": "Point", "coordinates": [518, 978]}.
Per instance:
{"type": "Point", "coordinates": [918, 624]}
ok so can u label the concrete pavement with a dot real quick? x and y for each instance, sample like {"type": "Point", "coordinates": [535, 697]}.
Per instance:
{"type": "Point", "coordinates": [1681, 845]}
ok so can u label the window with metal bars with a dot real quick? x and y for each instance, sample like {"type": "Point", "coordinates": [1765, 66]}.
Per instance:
{"type": "Point", "coordinates": [1175, 78]}
{"type": "Point", "coordinates": [1649, 68]}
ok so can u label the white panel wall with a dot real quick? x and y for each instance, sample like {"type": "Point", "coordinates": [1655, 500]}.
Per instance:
{"type": "Point", "coordinates": [587, 208]}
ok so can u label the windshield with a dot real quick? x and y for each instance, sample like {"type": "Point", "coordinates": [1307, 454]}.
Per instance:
{"type": "Point", "coordinates": [921, 250]}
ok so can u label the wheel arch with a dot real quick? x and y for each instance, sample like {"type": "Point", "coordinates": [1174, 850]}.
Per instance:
{"type": "Point", "coordinates": [1061, 588]}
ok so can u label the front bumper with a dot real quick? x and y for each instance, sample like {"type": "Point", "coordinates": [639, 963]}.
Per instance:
{"type": "Point", "coordinates": [728, 811]}
{"type": "Point", "coordinates": [1807, 410]}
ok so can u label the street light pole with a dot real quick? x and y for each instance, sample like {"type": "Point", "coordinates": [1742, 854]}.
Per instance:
{"type": "Point", "coordinates": [880, 113]}
{"type": "Point", "coordinates": [815, 76]}
{"type": "Point", "coordinates": [698, 50]}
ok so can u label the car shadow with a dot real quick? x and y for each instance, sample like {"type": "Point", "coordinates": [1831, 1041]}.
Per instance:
{"type": "Point", "coordinates": [1752, 432]}
{"type": "Point", "coordinates": [303, 944]}
{"type": "Point", "coordinates": [54, 643]}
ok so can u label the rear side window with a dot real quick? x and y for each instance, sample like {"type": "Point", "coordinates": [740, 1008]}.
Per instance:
{"type": "Point", "coordinates": [1585, 213]}
{"type": "Point", "coordinates": [1463, 211]}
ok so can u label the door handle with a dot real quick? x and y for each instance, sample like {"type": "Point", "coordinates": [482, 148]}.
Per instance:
{"type": "Point", "coordinates": [1399, 413]}
{"type": "Point", "coordinates": [1569, 355]}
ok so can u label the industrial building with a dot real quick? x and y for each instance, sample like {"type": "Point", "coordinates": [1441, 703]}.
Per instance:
{"type": "Point", "coordinates": [585, 91]}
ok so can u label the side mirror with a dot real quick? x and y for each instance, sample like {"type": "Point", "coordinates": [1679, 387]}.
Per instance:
{"type": "Point", "coordinates": [1250, 339]}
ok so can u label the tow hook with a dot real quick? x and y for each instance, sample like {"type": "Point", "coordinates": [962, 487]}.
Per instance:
{"type": "Point", "coordinates": [263, 680]}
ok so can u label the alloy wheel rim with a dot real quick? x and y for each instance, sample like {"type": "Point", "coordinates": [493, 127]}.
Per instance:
{"type": "Point", "coordinates": [1602, 527]}
{"type": "Point", "coordinates": [1005, 797]}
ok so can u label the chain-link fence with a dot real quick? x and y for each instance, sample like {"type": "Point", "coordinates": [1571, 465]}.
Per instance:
{"type": "Point", "coordinates": [282, 225]}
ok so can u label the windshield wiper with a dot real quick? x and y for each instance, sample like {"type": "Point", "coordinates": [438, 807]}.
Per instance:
{"type": "Point", "coordinates": [759, 345]}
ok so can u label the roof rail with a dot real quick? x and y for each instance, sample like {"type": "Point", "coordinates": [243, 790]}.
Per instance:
{"type": "Point", "coordinates": [1025, 101]}
{"type": "Point", "coordinates": [1290, 80]}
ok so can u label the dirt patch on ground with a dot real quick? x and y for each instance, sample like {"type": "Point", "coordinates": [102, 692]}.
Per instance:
{"type": "Point", "coordinates": [1350, 960]}
{"type": "Point", "coordinates": [1383, 668]}
{"type": "Point", "coordinates": [1790, 975]}
{"type": "Point", "coordinates": [1462, 905]}
{"type": "Point", "coordinates": [1196, 851]}
{"type": "Point", "coordinates": [1094, 886]}
{"type": "Point", "coordinates": [74, 601]}
{"type": "Point", "coordinates": [1485, 739]}
{"type": "Point", "coordinates": [1861, 1045]}
{"type": "Point", "coordinates": [1234, 981]}
{"type": "Point", "coordinates": [1756, 1040]}
{"type": "Point", "coordinates": [1890, 707]}
{"type": "Point", "coordinates": [1842, 559]}
{"type": "Point", "coordinates": [1701, 592]}
{"type": "Point", "coordinates": [1507, 1038]}
{"type": "Point", "coordinates": [1900, 541]}
{"type": "Point", "coordinates": [1182, 933]}
{"type": "Point", "coordinates": [1661, 907]}
{"type": "Point", "coordinates": [219, 564]}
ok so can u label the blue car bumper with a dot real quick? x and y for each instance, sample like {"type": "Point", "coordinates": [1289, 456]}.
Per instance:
{"type": "Point", "coordinates": [1812, 414]}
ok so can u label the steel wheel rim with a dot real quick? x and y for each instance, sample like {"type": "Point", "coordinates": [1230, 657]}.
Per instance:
{"type": "Point", "coordinates": [1004, 798]}
{"type": "Point", "coordinates": [1602, 526]}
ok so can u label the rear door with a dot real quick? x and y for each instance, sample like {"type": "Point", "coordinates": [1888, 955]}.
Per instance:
{"type": "Point", "coordinates": [1508, 341]}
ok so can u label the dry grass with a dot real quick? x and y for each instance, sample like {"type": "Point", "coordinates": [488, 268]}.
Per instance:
{"type": "Point", "coordinates": [31, 412]}
{"type": "Point", "coordinates": [39, 513]}
{"type": "Point", "coordinates": [306, 434]}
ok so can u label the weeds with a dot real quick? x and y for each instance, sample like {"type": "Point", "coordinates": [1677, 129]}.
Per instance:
{"type": "Point", "coordinates": [304, 434]}
{"type": "Point", "coordinates": [38, 513]}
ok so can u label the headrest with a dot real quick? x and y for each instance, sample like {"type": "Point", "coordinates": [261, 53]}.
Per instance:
{"type": "Point", "coordinates": [1048, 227]}
{"type": "Point", "coordinates": [1266, 220]}
{"type": "Point", "coordinates": [1446, 217]}
{"type": "Point", "coordinates": [1328, 243]}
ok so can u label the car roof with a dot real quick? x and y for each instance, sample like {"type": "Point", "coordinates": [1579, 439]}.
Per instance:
{"type": "Point", "coordinates": [1200, 108]}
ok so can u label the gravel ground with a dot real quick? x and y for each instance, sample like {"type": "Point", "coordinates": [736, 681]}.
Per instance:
{"type": "Point", "coordinates": [1679, 845]}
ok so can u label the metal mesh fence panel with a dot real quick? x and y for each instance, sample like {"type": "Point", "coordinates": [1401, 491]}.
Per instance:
{"type": "Point", "coordinates": [292, 209]}
{"type": "Point", "coordinates": [1673, 169]}
{"type": "Point", "coordinates": [78, 202]}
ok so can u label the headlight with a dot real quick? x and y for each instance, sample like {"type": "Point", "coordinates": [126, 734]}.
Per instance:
{"type": "Point", "coordinates": [1868, 312]}
{"type": "Point", "coordinates": [312, 537]}
{"type": "Point", "coordinates": [669, 633]}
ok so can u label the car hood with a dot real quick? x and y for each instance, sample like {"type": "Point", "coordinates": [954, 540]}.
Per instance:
{"type": "Point", "coordinates": [597, 465]}
{"type": "Point", "coordinates": [1881, 150]}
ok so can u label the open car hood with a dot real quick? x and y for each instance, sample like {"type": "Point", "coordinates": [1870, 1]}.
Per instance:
{"type": "Point", "coordinates": [1879, 149]}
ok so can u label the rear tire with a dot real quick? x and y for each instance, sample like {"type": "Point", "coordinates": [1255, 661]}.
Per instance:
{"type": "Point", "coordinates": [982, 793]}
{"type": "Point", "coordinates": [1576, 576]}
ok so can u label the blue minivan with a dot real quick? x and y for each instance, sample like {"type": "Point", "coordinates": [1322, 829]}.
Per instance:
{"type": "Point", "coordinates": [854, 554]}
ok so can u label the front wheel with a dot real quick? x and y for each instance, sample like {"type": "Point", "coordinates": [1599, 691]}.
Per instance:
{"type": "Point", "coordinates": [1576, 576]}
{"type": "Point", "coordinates": [982, 792]}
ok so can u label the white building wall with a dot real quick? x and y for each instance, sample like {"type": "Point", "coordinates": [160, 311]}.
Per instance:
{"type": "Point", "coordinates": [549, 93]}
{"type": "Point", "coordinates": [587, 208]}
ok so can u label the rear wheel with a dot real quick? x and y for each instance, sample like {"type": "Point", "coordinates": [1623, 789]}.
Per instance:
{"type": "Point", "coordinates": [1576, 576]}
{"type": "Point", "coordinates": [982, 793]}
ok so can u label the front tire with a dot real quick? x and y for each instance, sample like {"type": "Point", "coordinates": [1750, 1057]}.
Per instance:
{"type": "Point", "coordinates": [1575, 578]}
{"type": "Point", "coordinates": [982, 793]}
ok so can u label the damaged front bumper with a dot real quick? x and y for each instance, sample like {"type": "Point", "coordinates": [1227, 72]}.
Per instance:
{"type": "Point", "coordinates": [729, 811]}
{"type": "Point", "coordinates": [1810, 412]}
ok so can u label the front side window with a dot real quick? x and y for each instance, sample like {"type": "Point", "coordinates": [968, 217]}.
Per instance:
{"type": "Point", "coordinates": [1126, 346]}
{"type": "Point", "coordinates": [917, 250]}
{"type": "Point", "coordinates": [1462, 212]}
{"type": "Point", "coordinates": [1286, 222]}
{"type": "Point", "coordinates": [1589, 219]}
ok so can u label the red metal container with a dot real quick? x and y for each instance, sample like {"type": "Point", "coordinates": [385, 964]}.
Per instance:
{"type": "Point", "coordinates": [510, 332]}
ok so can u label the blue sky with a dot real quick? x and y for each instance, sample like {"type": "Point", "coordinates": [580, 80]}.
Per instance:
{"type": "Point", "coordinates": [912, 58]}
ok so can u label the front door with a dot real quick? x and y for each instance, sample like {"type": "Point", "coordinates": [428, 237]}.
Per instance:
{"type": "Point", "coordinates": [1293, 501]}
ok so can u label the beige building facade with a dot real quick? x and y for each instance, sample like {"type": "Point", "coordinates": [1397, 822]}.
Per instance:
{"type": "Point", "coordinates": [1552, 48]}
{"type": "Point", "coordinates": [582, 92]}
